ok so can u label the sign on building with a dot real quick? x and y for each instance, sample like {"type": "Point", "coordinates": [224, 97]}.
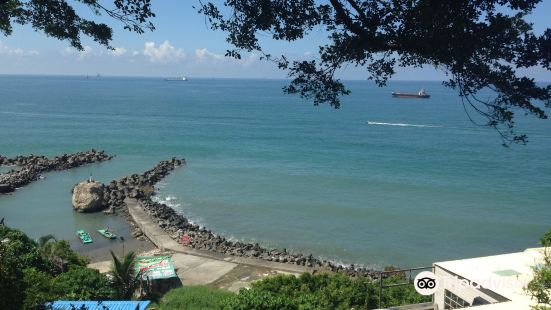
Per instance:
{"type": "Point", "coordinates": [155, 267]}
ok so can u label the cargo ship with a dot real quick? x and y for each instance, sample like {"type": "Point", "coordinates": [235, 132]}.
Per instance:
{"type": "Point", "coordinates": [421, 94]}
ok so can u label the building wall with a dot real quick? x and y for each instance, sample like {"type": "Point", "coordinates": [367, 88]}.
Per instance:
{"type": "Point", "coordinates": [467, 293]}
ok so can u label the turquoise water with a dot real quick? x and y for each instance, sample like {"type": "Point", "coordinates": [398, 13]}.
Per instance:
{"type": "Point", "coordinates": [271, 168]}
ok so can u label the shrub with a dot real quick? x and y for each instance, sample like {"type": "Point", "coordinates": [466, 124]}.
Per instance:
{"type": "Point", "coordinates": [82, 284]}
{"type": "Point", "coordinates": [321, 291]}
{"type": "Point", "coordinates": [22, 250]}
{"type": "Point", "coordinates": [37, 288]}
{"type": "Point", "coordinates": [546, 239]}
{"type": "Point", "coordinates": [194, 298]}
{"type": "Point", "coordinates": [11, 283]}
{"type": "Point", "coordinates": [28, 279]}
{"type": "Point", "coordinates": [539, 288]}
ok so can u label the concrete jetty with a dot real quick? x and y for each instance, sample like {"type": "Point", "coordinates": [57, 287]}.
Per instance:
{"type": "Point", "coordinates": [204, 267]}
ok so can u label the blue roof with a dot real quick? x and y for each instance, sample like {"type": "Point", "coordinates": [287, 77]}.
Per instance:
{"type": "Point", "coordinates": [98, 305]}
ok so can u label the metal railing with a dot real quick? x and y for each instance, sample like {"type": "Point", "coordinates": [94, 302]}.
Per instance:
{"type": "Point", "coordinates": [408, 275]}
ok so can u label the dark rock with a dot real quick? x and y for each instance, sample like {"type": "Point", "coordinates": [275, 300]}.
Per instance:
{"type": "Point", "coordinates": [32, 166]}
{"type": "Point", "coordinates": [6, 188]}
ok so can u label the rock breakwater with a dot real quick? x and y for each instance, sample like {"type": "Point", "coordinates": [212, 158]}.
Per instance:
{"type": "Point", "coordinates": [31, 167]}
{"type": "Point", "coordinates": [141, 187]}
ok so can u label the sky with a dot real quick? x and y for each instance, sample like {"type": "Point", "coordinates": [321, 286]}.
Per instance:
{"type": "Point", "coordinates": [182, 44]}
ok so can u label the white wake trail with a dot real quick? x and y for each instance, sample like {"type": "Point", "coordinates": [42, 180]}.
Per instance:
{"type": "Point", "coordinates": [403, 125]}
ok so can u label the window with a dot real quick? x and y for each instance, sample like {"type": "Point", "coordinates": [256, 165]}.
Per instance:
{"type": "Point", "coordinates": [452, 301]}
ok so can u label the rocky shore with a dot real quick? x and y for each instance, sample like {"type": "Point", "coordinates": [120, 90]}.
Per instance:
{"type": "Point", "coordinates": [32, 167]}
{"type": "Point", "coordinates": [141, 187]}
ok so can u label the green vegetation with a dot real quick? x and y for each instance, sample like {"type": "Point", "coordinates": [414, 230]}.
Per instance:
{"type": "Point", "coordinates": [194, 298]}
{"type": "Point", "coordinates": [125, 278]}
{"type": "Point", "coordinates": [540, 286]}
{"type": "Point", "coordinates": [546, 239]}
{"type": "Point", "coordinates": [32, 273]}
{"type": "Point", "coordinates": [321, 291]}
{"type": "Point", "coordinates": [82, 284]}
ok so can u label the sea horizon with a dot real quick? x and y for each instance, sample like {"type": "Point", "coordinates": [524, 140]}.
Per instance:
{"type": "Point", "coordinates": [93, 75]}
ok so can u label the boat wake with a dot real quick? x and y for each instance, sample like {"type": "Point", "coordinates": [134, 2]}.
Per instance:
{"type": "Point", "coordinates": [403, 125]}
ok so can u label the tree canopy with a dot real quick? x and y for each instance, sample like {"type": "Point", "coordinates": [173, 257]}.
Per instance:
{"type": "Point", "coordinates": [59, 19]}
{"type": "Point", "coordinates": [479, 45]}
{"type": "Point", "coordinates": [29, 277]}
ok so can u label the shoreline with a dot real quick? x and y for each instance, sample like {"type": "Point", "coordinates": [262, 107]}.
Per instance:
{"type": "Point", "coordinates": [141, 187]}
{"type": "Point", "coordinates": [100, 254]}
{"type": "Point", "coordinates": [181, 230]}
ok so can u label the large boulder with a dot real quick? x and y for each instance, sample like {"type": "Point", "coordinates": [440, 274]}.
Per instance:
{"type": "Point", "coordinates": [89, 197]}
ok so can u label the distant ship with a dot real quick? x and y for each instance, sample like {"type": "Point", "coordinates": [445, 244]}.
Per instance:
{"type": "Point", "coordinates": [178, 78]}
{"type": "Point", "coordinates": [421, 94]}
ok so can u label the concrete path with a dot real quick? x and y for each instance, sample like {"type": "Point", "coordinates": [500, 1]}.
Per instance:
{"type": "Point", "coordinates": [203, 267]}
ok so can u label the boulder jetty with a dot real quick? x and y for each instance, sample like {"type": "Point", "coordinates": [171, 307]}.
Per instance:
{"type": "Point", "coordinates": [32, 167]}
{"type": "Point", "coordinates": [140, 187]}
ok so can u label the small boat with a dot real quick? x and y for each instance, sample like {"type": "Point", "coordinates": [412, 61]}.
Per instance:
{"type": "Point", "coordinates": [107, 234]}
{"type": "Point", "coordinates": [84, 236]}
{"type": "Point", "coordinates": [179, 78]}
{"type": "Point", "coordinates": [421, 94]}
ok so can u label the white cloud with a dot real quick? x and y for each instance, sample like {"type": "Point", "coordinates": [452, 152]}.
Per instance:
{"type": "Point", "coordinates": [6, 50]}
{"type": "Point", "coordinates": [69, 51]}
{"type": "Point", "coordinates": [118, 51]}
{"type": "Point", "coordinates": [204, 54]}
{"type": "Point", "coordinates": [87, 51]}
{"type": "Point", "coordinates": [165, 53]}
{"type": "Point", "coordinates": [135, 53]}
{"type": "Point", "coordinates": [249, 60]}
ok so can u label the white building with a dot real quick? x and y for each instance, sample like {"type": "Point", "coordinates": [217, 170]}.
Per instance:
{"type": "Point", "coordinates": [491, 282]}
{"type": "Point", "coordinates": [485, 283]}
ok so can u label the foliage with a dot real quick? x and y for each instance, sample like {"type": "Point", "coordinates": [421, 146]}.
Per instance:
{"type": "Point", "coordinates": [23, 250]}
{"type": "Point", "coordinates": [477, 45]}
{"type": "Point", "coordinates": [124, 277]}
{"type": "Point", "coordinates": [55, 250]}
{"type": "Point", "coordinates": [28, 278]}
{"type": "Point", "coordinates": [480, 45]}
{"type": "Point", "coordinates": [401, 295]}
{"type": "Point", "coordinates": [11, 285]}
{"type": "Point", "coordinates": [320, 291]}
{"type": "Point", "coordinates": [82, 284]}
{"type": "Point", "coordinates": [194, 298]}
{"type": "Point", "coordinates": [540, 286]}
{"type": "Point", "coordinates": [546, 239]}
{"type": "Point", "coordinates": [62, 249]}
{"type": "Point", "coordinates": [38, 289]}
{"type": "Point", "coordinates": [59, 19]}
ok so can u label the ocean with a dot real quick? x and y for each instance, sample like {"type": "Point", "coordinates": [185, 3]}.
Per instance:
{"type": "Point", "coordinates": [381, 181]}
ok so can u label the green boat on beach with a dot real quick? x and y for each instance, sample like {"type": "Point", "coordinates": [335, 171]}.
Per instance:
{"type": "Point", "coordinates": [84, 236]}
{"type": "Point", "coordinates": [107, 234]}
